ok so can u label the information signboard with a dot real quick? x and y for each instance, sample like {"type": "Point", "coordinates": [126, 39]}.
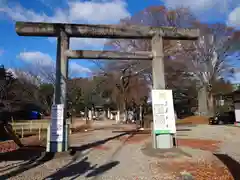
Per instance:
{"type": "Point", "coordinates": [164, 121]}
{"type": "Point", "coordinates": [57, 117]}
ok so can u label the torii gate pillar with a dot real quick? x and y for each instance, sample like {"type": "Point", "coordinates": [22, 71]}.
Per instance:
{"type": "Point", "coordinates": [162, 141]}
{"type": "Point", "coordinates": [61, 92]}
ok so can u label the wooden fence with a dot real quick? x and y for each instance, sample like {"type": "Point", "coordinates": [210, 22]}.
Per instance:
{"type": "Point", "coordinates": [31, 127]}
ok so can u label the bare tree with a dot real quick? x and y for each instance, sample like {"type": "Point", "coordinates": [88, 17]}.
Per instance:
{"type": "Point", "coordinates": [203, 62]}
{"type": "Point", "coordinates": [153, 16]}
{"type": "Point", "coordinates": [43, 77]}
{"type": "Point", "coordinates": [210, 59]}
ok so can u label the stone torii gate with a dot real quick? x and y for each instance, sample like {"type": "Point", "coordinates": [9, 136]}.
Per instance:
{"type": "Point", "coordinates": [65, 31]}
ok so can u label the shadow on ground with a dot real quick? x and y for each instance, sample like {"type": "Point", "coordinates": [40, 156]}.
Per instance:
{"type": "Point", "coordinates": [35, 156]}
{"type": "Point", "coordinates": [184, 129]}
{"type": "Point", "coordinates": [76, 169]}
{"type": "Point", "coordinates": [133, 131]}
{"type": "Point", "coordinates": [30, 157]}
{"type": "Point", "coordinates": [97, 143]}
{"type": "Point", "coordinates": [232, 165]}
{"type": "Point", "coordinates": [146, 131]}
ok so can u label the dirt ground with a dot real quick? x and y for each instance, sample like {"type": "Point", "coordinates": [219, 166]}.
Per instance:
{"type": "Point", "coordinates": [193, 120]}
{"type": "Point", "coordinates": [221, 140]}
{"type": "Point", "coordinates": [204, 152]}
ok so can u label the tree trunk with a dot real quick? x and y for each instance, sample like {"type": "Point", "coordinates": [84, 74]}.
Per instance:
{"type": "Point", "coordinates": [86, 114]}
{"type": "Point", "coordinates": [210, 101]}
{"type": "Point", "coordinates": [125, 110]}
{"type": "Point", "coordinates": [202, 101]}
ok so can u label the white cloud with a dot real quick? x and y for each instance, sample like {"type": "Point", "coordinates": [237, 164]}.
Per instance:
{"type": "Point", "coordinates": [83, 43]}
{"type": "Point", "coordinates": [210, 10]}
{"type": "Point", "coordinates": [76, 68]}
{"type": "Point", "coordinates": [18, 13]}
{"type": "Point", "coordinates": [97, 12]}
{"type": "Point", "coordinates": [42, 60]}
{"type": "Point", "coordinates": [36, 57]}
{"type": "Point", "coordinates": [77, 11]}
{"type": "Point", "coordinates": [234, 17]}
{"type": "Point", "coordinates": [75, 43]}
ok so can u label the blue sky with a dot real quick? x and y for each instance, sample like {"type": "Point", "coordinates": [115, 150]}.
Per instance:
{"type": "Point", "coordinates": [17, 52]}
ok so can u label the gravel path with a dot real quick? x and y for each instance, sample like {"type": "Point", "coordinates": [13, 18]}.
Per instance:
{"type": "Point", "coordinates": [113, 160]}
{"type": "Point", "coordinates": [101, 156]}
{"type": "Point", "coordinates": [228, 135]}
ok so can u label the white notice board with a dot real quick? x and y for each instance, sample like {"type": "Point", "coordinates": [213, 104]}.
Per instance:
{"type": "Point", "coordinates": [57, 117]}
{"type": "Point", "coordinates": [163, 112]}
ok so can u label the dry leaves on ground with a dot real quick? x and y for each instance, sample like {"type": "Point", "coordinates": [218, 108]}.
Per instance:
{"type": "Point", "coordinates": [207, 145]}
{"type": "Point", "coordinates": [8, 146]}
{"type": "Point", "coordinates": [200, 170]}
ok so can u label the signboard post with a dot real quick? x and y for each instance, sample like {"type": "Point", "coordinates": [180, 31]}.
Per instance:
{"type": "Point", "coordinates": [57, 123]}
{"type": "Point", "coordinates": [163, 115]}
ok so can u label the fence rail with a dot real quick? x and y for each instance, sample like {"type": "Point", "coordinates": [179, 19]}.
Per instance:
{"type": "Point", "coordinates": [24, 127]}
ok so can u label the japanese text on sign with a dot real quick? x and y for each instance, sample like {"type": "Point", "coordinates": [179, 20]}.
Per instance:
{"type": "Point", "coordinates": [163, 111]}
{"type": "Point", "coordinates": [57, 117]}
